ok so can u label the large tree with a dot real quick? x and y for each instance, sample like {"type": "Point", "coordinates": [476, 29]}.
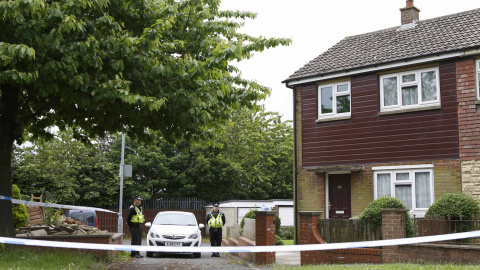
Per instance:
{"type": "Point", "coordinates": [118, 66]}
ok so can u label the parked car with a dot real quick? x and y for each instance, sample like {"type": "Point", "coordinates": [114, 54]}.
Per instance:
{"type": "Point", "coordinates": [88, 217]}
{"type": "Point", "coordinates": [178, 229]}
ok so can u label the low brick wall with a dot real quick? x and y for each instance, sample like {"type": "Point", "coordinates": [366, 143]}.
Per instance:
{"type": "Point", "coordinates": [438, 253]}
{"type": "Point", "coordinates": [394, 228]}
{"type": "Point", "coordinates": [108, 238]}
{"type": "Point", "coordinates": [265, 236]}
{"type": "Point", "coordinates": [309, 235]}
{"type": "Point", "coordinates": [241, 242]}
{"type": "Point", "coordinates": [342, 256]}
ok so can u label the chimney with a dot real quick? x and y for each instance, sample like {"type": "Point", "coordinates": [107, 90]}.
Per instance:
{"type": "Point", "coordinates": [409, 13]}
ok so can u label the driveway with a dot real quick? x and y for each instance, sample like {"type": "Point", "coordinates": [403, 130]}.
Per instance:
{"type": "Point", "coordinates": [184, 261]}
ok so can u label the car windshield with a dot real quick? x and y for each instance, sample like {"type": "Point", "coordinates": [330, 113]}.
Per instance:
{"type": "Point", "coordinates": [175, 219]}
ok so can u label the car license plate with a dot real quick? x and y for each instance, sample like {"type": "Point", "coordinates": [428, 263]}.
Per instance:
{"type": "Point", "coordinates": [175, 244]}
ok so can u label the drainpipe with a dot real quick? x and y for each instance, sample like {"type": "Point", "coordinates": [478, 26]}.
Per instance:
{"type": "Point", "coordinates": [295, 208]}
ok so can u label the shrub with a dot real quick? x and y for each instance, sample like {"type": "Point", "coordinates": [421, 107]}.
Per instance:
{"type": "Point", "coordinates": [278, 224]}
{"type": "Point", "coordinates": [288, 233]}
{"type": "Point", "coordinates": [278, 240]}
{"type": "Point", "coordinates": [373, 213]}
{"type": "Point", "coordinates": [20, 216]}
{"type": "Point", "coordinates": [452, 205]}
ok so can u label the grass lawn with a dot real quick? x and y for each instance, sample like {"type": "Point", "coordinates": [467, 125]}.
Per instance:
{"type": "Point", "coordinates": [288, 242]}
{"type": "Point", "coordinates": [19, 257]}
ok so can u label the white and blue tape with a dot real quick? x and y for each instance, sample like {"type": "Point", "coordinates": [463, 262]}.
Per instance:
{"type": "Point", "coordinates": [289, 248]}
{"type": "Point", "coordinates": [54, 205]}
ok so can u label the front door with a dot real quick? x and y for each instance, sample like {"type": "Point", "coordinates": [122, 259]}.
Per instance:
{"type": "Point", "coordinates": [339, 196]}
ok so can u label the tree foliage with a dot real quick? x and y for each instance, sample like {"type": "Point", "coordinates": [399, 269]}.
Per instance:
{"type": "Point", "coordinates": [67, 168]}
{"type": "Point", "coordinates": [127, 66]}
{"type": "Point", "coordinates": [74, 172]}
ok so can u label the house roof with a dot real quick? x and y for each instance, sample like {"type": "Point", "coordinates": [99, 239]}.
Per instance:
{"type": "Point", "coordinates": [456, 32]}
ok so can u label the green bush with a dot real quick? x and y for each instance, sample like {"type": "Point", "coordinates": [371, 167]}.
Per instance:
{"type": "Point", "coordinates": [373, 212]}
{"type": "Point", "coordinates": [20, 216]}
{"type": "Point", "coordinates": [278, 240]}
{"type": "Point", "coordinates": [288, 233]}
{"type": "Point", "coordinates": [278, 225]}
{"type": "Point", "coordinates": [452, 205]}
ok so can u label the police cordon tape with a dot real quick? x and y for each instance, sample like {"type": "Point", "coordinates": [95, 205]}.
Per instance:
{"type": "Point", "coordinates": [54, 205]}
{"type": "Point", "coordinates": [289, 248]}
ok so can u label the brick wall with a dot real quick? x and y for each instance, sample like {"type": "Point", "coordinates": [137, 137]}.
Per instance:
{"type": "Point", "coordinates": [393, 227]}
{"type": "Point", "coordinates": [265, 235]}
{"type": "Point", "coordinates": [311, 192]}
{"type": "Point", "coordinates": [362, 190]}
{"type": "Point", "coordinates": [309, 235]}
{"type": "Point", "coordinates": [468, 111]}
{"type": "Point", "coordinates": [469, 127]}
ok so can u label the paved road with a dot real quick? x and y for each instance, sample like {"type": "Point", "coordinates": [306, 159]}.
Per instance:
{"type": "Point", "coordinates": [184, 261]}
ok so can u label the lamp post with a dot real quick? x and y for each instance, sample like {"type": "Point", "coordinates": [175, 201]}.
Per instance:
{"type": "Point", "coordinates": [122, 165]}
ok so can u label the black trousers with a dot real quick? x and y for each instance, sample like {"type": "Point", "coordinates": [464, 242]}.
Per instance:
{"type": "Point", "coordinates": [136, 237]}
{"type": "Point", "coordinates": [215, 237]}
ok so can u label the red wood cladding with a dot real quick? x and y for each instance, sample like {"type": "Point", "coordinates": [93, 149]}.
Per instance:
{"type": "Point", "coordinates": [372, 138]}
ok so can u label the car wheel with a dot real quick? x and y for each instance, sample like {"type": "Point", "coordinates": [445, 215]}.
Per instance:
{"type": "Point", "coordinates": [149, 254]}
{"type": "Point", "coordinates": [197, 255]}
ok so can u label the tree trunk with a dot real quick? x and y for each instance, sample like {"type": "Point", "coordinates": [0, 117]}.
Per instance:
{"type": "Point", "coordinates": [8, 114]}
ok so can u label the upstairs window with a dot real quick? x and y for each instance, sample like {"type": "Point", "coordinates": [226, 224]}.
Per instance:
{"type": "Point", "coordinates": [409, 90]}
{"type": "Point", "coordinates": [477, 69]}
{"type": "Point", "coordinates": [334, 100]}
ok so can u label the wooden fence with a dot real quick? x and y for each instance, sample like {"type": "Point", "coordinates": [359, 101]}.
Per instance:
{"type": "Point", "coordinates": [346, 230]}
{"type": "Point", "coordinates": [440, 225]}
{"type": "Point", "coordinates": [109, 221]}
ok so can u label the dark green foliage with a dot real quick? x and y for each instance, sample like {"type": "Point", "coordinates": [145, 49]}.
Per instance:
{"type": "Point", "coordinates": [73, 171]}
{"type": "Point", "coordinates": [278, 240]}
{"type": "Point", "coordinates": [373, 212]}
{"type": "Point", "coordinates": [288, 233]}
{"type": "Point", "coordinates": [278, 224]}
{"type": "Point", "coordinates": [454, 205]}
{"type": "Point", "coordinates": [20, 216]}
{"type": "Point", "coordinates": [105, 67]}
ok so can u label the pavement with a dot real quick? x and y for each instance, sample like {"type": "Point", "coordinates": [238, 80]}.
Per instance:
{"type": "Point", "coordinates": [282, 259]}
{"type": "Point", "coordinates": [286, 259]}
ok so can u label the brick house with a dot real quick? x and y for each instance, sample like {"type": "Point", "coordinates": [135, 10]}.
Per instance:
{"type": "Point", "coordinates": [393, 112]}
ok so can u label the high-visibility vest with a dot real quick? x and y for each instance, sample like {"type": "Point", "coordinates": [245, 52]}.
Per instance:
{"type": "Point", "coordinates": [215, 222]}
{"type": "Point", "coordinates": [139, 217]}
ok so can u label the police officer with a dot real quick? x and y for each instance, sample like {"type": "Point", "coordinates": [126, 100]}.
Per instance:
{"type": "Point", "coordinates": [216, 220]}
{"type": "Point", "coordinates": [135, 220]}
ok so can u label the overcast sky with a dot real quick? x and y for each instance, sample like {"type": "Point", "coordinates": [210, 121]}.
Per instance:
{"type": "Point", "coordinates": [314, 26]}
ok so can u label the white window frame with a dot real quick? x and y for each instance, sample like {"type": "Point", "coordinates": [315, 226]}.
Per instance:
{"type": "Point", "coordinates": [417, 82]}
{"type": "Point", "coordinates": [477, 78]}
{"type": "Point", "coordinates": [335, 94]}
{"type": "Point", "coordinates": [393, 182]}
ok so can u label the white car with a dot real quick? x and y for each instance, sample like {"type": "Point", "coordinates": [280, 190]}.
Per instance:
{"type": "Point", "coordinates": [176, 229]}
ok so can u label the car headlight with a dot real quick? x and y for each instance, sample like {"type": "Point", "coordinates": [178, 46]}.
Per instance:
{"type": "Point", "coordinates": [193, 236]}
{"type": "Point", "coordinates": [153, 234]}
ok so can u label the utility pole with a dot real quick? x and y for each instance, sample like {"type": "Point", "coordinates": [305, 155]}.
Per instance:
{"type": "Point", "coordinates": [122, 165]}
